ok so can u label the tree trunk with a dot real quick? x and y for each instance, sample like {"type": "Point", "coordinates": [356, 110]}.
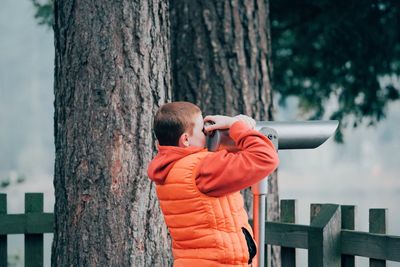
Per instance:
{"type": "Point", "coordinates": [111, 74]}
{"type": "Point", "coordinates": [220, 56]}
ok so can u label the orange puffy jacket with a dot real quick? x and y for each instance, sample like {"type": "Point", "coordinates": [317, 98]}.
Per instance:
{"type": "Point", "coordinates": [205, 230]}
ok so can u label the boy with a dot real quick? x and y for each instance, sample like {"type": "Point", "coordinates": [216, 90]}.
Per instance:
{"type": "Point", "coordinates": [198, 190]}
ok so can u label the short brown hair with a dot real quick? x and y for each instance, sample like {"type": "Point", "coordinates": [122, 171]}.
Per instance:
{"type": "Point", "coordinates": [172, 120]}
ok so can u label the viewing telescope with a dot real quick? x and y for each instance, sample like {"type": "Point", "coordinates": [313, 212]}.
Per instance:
{"type": "Point", "coordinates": [284, 135]}
{"type": "Point", "coordinates": [292, 135]}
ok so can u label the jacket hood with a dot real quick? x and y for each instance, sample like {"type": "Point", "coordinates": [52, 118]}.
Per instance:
{"type": "Point", "coordinates": [162, 163]}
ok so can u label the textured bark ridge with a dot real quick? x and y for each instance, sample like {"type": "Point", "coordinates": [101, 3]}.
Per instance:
{"type": "Point", "coordinates": [221, 60]}
{"type": "Point", "coordinates": [111, 74]}
{"type": "Point", "coordinates": [221, 56]}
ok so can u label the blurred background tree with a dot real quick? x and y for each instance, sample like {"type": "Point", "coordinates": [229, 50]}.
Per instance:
{"type": "Point", "coordinates": [346, 51]}
{"type": "Point", "coordinates": [44, 12]}
{"type": "Point", "coordinates": [12, 178]}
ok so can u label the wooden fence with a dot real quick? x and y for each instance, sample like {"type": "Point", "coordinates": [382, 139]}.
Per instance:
{"type": "Point", "coordinates": [33, 224]}
{"type": "Point", "coordinates": [330, 238]}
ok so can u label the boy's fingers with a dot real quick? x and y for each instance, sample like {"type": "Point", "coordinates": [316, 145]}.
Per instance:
{"type": "Point", "coordinates": [210, 127]}
{"type": "Point", "coordinates": [219, 122]}
{"type": "Point", "coordinates": [208, 118]}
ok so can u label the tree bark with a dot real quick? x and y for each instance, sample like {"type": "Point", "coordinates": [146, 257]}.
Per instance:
{"type": "Point", "coordinates": [111, 74]}
{"type": "Point", "coordinates": [221, 61]}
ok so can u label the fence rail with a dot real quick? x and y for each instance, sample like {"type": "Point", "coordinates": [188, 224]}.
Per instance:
{"type": "Point", "coordinates": [330, 238]}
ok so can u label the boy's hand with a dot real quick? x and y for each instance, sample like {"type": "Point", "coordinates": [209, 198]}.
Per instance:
{"type": "Point", "coordinates": [225, 122]}
{"type": "Point", "coordinates": [219, 122]}
{"type": "Point", "coordinates": [248, 120]}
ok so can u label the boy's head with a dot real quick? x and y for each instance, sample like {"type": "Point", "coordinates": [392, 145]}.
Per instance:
{"type": "Point", "coordinates": [179, 124]}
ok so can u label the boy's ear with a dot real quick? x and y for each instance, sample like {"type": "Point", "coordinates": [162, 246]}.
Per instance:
{"type": "Point", "coordinates": [184, 140]}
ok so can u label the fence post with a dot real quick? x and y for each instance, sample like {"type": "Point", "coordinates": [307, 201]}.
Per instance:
{"type": "Point", "coordinates": [288, 215]}
{"type": "Point", "coordinates": [377, 225]}
{"type": "Point", "coordinates": [3, 238]}
{"type": "Point", "coordinates": [348, 223]}
{"type": "Point", "coordinates": [324, 236]}
{"type": "Point", "coordinates": [33, 242]}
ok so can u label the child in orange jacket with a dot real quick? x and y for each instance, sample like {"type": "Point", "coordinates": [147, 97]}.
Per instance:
{"type": "Point", "coordinates": [198, 190]}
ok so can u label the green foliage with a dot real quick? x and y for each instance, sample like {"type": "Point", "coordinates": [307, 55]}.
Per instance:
{"type": "Point", "coordinates": [20, 178]}
{"type": "Point", "coordinates": [12, 179]}
{"type": "Point", "coordinates": [44, 12]}
{"type": "Point", "coordinates": [5, 182]}
{"type": "Point", "coordinates": [345, 51]}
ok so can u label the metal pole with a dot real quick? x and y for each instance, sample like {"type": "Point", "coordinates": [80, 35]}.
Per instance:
{"type": "Point", "coordinates": [259, 226]}
{"type": "Point", "coordinates": [260, 191]}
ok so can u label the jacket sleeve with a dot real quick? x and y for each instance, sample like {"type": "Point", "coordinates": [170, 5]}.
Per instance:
{"type": "Point", "coordinates": [224, 172]}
